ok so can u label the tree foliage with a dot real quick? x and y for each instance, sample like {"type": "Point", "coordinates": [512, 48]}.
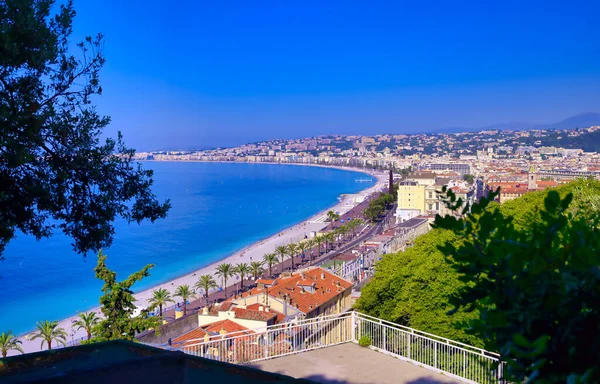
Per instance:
{"type": "Point", "coordinates": [419, 287]}
{"type": "Point", "coordinates": [86, 321]}
{"type": "Point", "coordinates": [118, 305]}
{"type": "Point", "coordinates": [55, 172]}
{"type": "Point", "coordinates": [9, 342]}
{"type": "Point", "coordinates": [49, 331]}
{"type": "Point", "coordinates": [536, 287]}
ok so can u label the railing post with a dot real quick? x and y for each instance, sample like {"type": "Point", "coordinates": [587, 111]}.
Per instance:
{"type": "Point", "coordinates": [353, 325]}
{"type": "Point", "coordinates": [409, 342]}
{"type": "Point", "coordinates": [384, 334]}
{"type": "Point", "coordinates": [267, 344]}
{"type": "Point", "coordinates": [435, 354]}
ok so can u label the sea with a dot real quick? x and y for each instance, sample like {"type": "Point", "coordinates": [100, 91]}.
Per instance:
{"type": "Point", "coordinates": [217, 209]}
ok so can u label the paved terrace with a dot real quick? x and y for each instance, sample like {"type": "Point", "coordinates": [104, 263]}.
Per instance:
{"type": "Point", "coordinates": [350, 363]}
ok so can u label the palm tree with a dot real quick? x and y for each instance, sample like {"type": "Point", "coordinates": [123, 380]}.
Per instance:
{"type": "Point", "coordinates": [281, 250]}
{"type": "Point", "coordinates": [86, 321]}
{"type": "Point", "coordinates": [332, 216]}
{"type": "Point", "coordinates": [159, 298]}
{"type": "Point", "coordinates": [185, 292]}
{"type": "Point", "coordinates": [206, 283]}
{"type": "Point", "coordinates": [242, 270]}
{"type": "Point", "coordinates": [49, 331]}
{"type": "Point", "coordinates": [225, 271]}
{"type": "Point", "coordinates": [270, 259]}
{"type": "Point", "coordinates": [256, 269]}
{"type": "Point", "coordinates": [8, 342]}
{"type": "Point", "coordinates": [302, 247]}
{"type": "Point", "coordinates": [319, 239]}
{"type": "Point", "coordinates": [328, 237]}
{"type": "Point", "coordinates": [292, 249]}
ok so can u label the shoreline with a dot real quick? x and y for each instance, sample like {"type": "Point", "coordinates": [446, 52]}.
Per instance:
{"type": "Point", "coordinates": [252, 252]}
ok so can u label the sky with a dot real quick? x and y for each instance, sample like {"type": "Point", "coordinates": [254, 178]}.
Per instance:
{"type": "Point", "coordinates": [200, 74]}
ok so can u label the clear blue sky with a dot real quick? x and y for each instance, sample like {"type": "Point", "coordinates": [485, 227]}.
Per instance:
{"type": "Point", "coordinates": [184, 74]}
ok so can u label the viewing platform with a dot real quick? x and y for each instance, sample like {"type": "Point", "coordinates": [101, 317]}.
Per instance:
{"type": "Point", "coordinates": [349, 348]}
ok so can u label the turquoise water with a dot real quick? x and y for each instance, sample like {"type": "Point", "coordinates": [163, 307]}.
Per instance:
{"type": "Point", "coordinates": [218, 208]}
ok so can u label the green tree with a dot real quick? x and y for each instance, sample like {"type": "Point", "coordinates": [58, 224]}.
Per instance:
{"type": "Point", "coordinates": [303, 246]}
{"type": "Point", "coordinates": [332, 216]}
{"type": "Point", "coordinates": [282, 251]}
{"type": "Point", "coordinates": [270, 259]}
{"type": "Point", "coordinates": [292, 249]}
{"type": "Point", "coordinates": [185, 292]}
{"type": "Point", "coordinates": [160, 297]}
{"type": "Point", "coordinates": [118, 305]}
{"type": "Point", "coordinates": [49, 331]}
{"type": "Point", "coordinates": [8, 342]}
{"type": "Point", "coordinates": [225, 271]}
{"type": "Point", "coordinates": [536, 287]}
{"type": "Point", "coordinates": [468, 178]}
{"type": "Point", "coordinates": [86, 321]}
{"type": "Point", "coordinates": [206, 283]}
{"type": "Point", "coordinates": [319, 240]}
{"type": "Point", "coordinates": [55, 172]}
{"type": "Point", "coordinates": [256, 269]}
{"type": "Point", "coordinates": [242, 270]}
{"type": "Point", "coordinates": [328, 237]}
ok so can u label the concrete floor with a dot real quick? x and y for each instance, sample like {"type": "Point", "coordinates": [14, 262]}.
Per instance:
{"type": "Point", "coordinates": [350, 363]}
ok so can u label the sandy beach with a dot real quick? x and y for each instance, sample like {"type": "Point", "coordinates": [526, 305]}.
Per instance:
{"type": "Point", "coordinates": [251, 253]}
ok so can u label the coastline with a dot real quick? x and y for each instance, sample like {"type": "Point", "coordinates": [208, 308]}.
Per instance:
{"type": "Point", "coordinates": [249, 253]}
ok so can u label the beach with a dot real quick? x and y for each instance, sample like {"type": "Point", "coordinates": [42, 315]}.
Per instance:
{"type": "Point", "coordinates": [253, 252]}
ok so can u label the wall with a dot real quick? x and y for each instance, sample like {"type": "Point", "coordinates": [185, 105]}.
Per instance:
{"type": "Point", "coordinates": [170, 330]}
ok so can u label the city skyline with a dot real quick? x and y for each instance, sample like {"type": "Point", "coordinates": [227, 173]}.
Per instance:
{"type": "Point", "coordinates": [206, 75]}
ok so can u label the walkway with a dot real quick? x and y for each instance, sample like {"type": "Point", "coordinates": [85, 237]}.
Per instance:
{"type": "Point", "coordinates": [350, 363]}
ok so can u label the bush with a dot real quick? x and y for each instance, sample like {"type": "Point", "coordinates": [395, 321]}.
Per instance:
{"type": "Point", "coordinates": [364, 341]}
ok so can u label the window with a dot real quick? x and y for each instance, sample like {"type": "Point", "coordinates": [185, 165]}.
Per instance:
{"type": "Point", "coordinates": [430, 195]}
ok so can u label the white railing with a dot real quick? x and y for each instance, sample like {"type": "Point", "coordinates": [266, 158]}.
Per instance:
{"type": "Point", "coordinates": [439, 354]}
{"type": "Point", "coordinates": [273, 341]}
{"type": "Point", "coordinates": [452, 358]}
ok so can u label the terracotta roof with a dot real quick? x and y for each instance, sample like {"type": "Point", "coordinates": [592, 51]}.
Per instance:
{"type": "Point", "coordinates": [194, 335]}
{"type": "Point", "coordinates": [249, 314]}
{"type": "Point", "coordinates": [227, 325]}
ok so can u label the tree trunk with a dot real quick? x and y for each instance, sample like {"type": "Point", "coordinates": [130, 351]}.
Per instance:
{"type": "Point", "coordinates": [160, 309]}
{"type": "Point", "coordinates": [49, 344]}
{"type": "Point", "coordinates": [89, 335]}
{"type": "Point", "coordinates": [184, 306]}
{"type": "Point", "coordinates": [3, 353]}
{"type": "Point", "coordinates": [242, 283]}
{"type": "Point", "coordinates": [270, 271]}
{"type": "Point", "coordinates": [225, 286]}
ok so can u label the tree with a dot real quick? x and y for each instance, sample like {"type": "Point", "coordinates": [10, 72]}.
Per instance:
{"type": "Point", "coordinates": [328, 237]}
{"type": "Point", "coordinates": [225, 271]}
{"type": "Point", "coordinates": [9, 342]}
{"type": "Point", "coordinates": [86, 321]}
{"type": "Point", "coordinates": [303, 246]}
{"type": "Point", "coordinates": [55, 173]}
{"type": "Point", "coordinates": [185, 292]}
{"type": "Point", "coordinates": [49, 331]}
{"type": "Point", "coordinates": [160, 297]}
{"type": "Point", "coordinates": [118, 305]}
{"type": "Point", "coordinates": [242, 270]}
{"type": "Point", "coordinates": [332, 216]}
{"type": "Point", "coordinates": [256, 269]}
{"type": "Point", "coordinates": [468, 178]}
{"type": "Point", "coordinates": [282, 251]}
{"type": "Point", "coordinates": [270, 259]}
{"type": "Point", "coordinates": [292, 249]}
{"type": "Point", "coordinates": [319, 240]}
{"type": "Point", "coordinates": [536, 287]}
{"type": "Point", "coordinates": [206, 283]}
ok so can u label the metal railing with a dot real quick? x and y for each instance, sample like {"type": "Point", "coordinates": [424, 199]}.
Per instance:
{"type": "Point", "coordinates": [436, 353]}
{"type": "Point", "coordinates": [452, 358]}
{"type": "Point", "coordinates": [273, 341]}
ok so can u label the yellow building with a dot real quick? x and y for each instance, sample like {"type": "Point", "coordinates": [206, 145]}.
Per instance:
{"type": "Point", "coordinates": [411, 200]}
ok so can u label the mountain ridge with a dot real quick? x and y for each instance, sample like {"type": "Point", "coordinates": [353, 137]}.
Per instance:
{"type": "Point", "coordinates": [581, 120]}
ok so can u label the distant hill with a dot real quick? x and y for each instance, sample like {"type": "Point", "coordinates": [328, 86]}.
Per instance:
{"type": "Point", "coordinates": [582, 120]}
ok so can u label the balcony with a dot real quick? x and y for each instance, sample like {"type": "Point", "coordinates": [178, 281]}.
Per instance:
{"type": "Point", "coordinates": [325, 349]}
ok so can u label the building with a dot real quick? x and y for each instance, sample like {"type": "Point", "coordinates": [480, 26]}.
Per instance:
{"type": "Point", "coordinates": [411, 200]}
